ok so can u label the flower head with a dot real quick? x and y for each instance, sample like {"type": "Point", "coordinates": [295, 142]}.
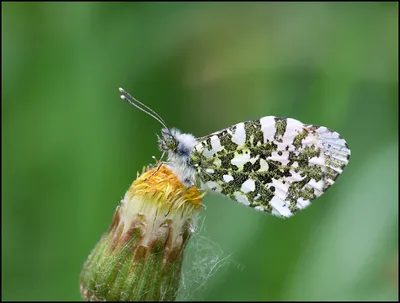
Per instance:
{"type": "Point", "coordinates": [140, 256]}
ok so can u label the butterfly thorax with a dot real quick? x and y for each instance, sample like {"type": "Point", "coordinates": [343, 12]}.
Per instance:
{"type": "Point", "coordinates": [178, 147]}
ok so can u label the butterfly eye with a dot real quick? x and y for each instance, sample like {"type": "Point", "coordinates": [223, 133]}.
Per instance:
{"type": "Point", "coordinates": [171, 143]}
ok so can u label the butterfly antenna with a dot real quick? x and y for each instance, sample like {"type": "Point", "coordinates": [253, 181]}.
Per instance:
{"type": "Point", "coordinates": [143, 107]}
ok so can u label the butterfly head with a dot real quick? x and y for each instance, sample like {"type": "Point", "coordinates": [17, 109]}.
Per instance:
{"type": "Point", "coordinates": [175, 142]}
{"type": "Point", "coordinates": [167, 141]}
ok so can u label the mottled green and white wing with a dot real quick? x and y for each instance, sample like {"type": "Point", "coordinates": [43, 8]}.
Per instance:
{"type": "Point", "coordinates": [272, 164]}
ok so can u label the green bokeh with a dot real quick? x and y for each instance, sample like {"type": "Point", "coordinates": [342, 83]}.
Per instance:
{"type": "Point", "coordinates": [71, 147]}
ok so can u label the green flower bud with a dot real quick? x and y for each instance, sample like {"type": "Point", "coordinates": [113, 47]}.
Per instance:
{"type": "Point", "coordinates": [140, 256]}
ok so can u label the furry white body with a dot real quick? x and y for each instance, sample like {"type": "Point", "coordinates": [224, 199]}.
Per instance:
{"type": "Point", "coordinates": [178, 160]}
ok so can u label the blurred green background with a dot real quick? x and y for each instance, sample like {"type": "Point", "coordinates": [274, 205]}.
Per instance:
{"type": "Point", "coordinates": [71, 147]}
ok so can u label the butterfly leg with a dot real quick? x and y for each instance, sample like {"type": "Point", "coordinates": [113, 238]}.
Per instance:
{"type": "Point", "coordinates": [159, 166]}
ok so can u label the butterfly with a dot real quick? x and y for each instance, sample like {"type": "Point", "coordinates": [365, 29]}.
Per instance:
{"type": "Point", "coordinates": [276, 165]}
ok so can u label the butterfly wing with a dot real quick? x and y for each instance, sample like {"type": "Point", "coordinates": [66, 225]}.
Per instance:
{"type": "Point", "coordinates": [272, 164]}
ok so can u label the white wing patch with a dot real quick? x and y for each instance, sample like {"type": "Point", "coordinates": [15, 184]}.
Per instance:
{"type": "Point", "coordinates": [280, 207]}
{"type": "Point", "coordinates": [213, 186]}
{"type": "Point", "coordinates": [240, 160]}
{"type": "Point", "coordinates": [268, 127]}
{"type": "Point", "coordinates": [248, 186]}
{"type": "Point", "coordinates": [240, 197]}
{"type": "Point", "coordinates": [239, 136]}
{"type": "Point", "coordinates": [216, 145]}
{"type": "Point", "coordinates": [227, 178]}
{"type": "Point", "coordinates": [263, 165]}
